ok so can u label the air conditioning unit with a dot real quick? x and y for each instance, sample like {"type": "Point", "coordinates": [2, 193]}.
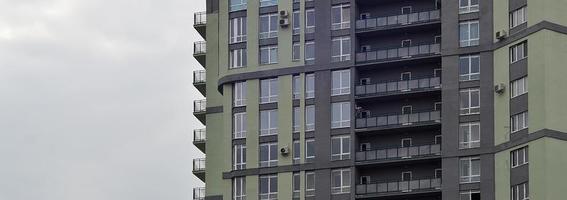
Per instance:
{"type": "Point", "coordinates": [284, 150]}
{"type": "Point", "coordinates": [284, 23]}
{"type": "Point", "coordinates": [499, 88]}
{"type": "Point", "coordinates": [501, 35]}
{"type": "Point", "coordinates": [284, 14]}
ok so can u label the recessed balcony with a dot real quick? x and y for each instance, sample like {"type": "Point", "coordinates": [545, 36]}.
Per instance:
{"type": "Point", "coordinates": [398, 54]}
{"type": "Point", "coordinates": [398, 21]}
{"type": "Point", "coordinates": [200, 139]}
{"type": "Point", "coordinates": [398, 188]}
{"type": "Point", "coordinates": [200, 23]}
{"type": "Point", "coordinates": [199, 168]}
{"type": "Point", "coordinates": [200, 52]}
{"type": "Point", "coordinates": [199, 193]}
{"type": "Point", "coordinates": [412, 86]}
{"type": "Point", "coordinates": [399, 154]}
{"type": "Point", "coordinates": [200, 81]}
{"type": "Point", "coordinates": [200, 110]}
{"type": "Point", "coordinates": [394, 121]}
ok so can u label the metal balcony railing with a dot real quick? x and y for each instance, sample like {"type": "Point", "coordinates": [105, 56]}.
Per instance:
{"type": "Point", "coordinates": [200, 106]}
{"type": "Point", "coordinates": [198, 164]}
{"type": "Point", "coordinates": [199, 135]}
{"type": "Point", "coordinates": [399, 53]}
{"type": "Point", "coordinates": [399, 153]}
{"type": "Point", "coordinates": [398, 119]}
{"type": "Point", "coordinates": [199, 76]}
{"type": "Point", "coordinates": [200, 18]}
{"type": "Point", "coordinates": [399, 186]}
{"type": "Point", "coordinates": [200, 47]}
{"type": "Point", "coordinates": [398, 20]}
{"type": "Point", "coordinates": [398, 86]}
{"type": "Point", "coordinates": [199, 193]}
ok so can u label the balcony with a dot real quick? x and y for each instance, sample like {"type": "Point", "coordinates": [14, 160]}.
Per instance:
{"type": "Point", "coordinates": [200, 23]}
{"type": "Point", "coordinates": [199, 193]}
{"type": "Point", "coordinates": [200, 110]}
{"type": "Point", "coordinates": [200, 52]}
{"type": "Point", "coordinates": [399, 154]}
{"type": "Point", "coordinates": [200, 139]}
{"type": "Point", "coordinates": [393, 121]}
{"type": "Point", "coordinates": [398, 21]}
{"type": "Point", "coordinates": [200, 81]}
{"type": "Point", "coordinates": [395, 188]}
{"type": "Point", "coordinates": [399, 54]}
{"type": "Point", "coordinates": [415, 85]}
{"type": "Point", "coordinates": [199, 168]}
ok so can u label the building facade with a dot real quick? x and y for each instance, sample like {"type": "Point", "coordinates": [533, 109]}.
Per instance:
{"type": "Point", "coordinates": [381, 99]}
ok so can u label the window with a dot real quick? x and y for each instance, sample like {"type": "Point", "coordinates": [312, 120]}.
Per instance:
{"type": "Point", "coordinates": [268, 122]}
{"type": "Point", "coordinates": [470, 169]}
{"type": "Point", "coordinates": [269, 154]}
{"type": "Point", "coordinates": [239, 125]}
{"type": "Point", "coordinates": [520, 192]}
{"type": "Point", "coordinates": [239, 188]}
{"type": "Point", "coordinates": [269, 55]}
{"type": "Point", "coordinates": [519, 87]}
{"type": "Point", "coordinates": [264, 3]}
{"type": "Point", "coordinates": [296, 119]}
{"type": "Point", "coordinates": [296, 51]}
{"type": "Point", "coordinates": [341, 82]}
{"type": "Point", "coordinates": [469, 135]}
{"type": "Point", "coordinates": [340, 17]}
{"type": "Point", "coordinates": [239, 158]}
{"type": "Point", "coordinates": [340, 49]}
{"type": "Point", "coordinates": [269, 26]}
{"type": "Point", "coordinates": [239, 94]}
{"type": "Point", "coordinates": [236, 5]}
{"type": "Point", "coordinates": [309, 86]}
{"type": "Point", "coordinates": [237, 30]}
{"type": "Point", "coordinates": [296, 151]}
{"type": "Point", "coordinates": [310, 21]}
{"type": "Point", "coordinates": [340, 181]}
{"type": "Point", "coordinates": [310, 118]}
{"type": "Point", "coordinates": [309, 52]}
{"type": "Point", "coordinates": [269, 90]}
{"type": "Point", "coordinates": [518, 52]}
{"type": "Point", "coordinates": [296, 185]}
{"type": "Point", "coordinates": [519, 157]}
{"type": "Point", "coordinates": [469, 67]}
{"type": "Point", "coordinates": [268, 187]}
{"type": "Point", "coordinates": [340, 115]}
{"type": "Point", "coordinates": [309, 150]}
{"type": "Point", "coordinates": [469, 33]}
{"type": "Point", "coordinates": [309, 184]}
{"type": "Point", "coordinates": [467, 6]}
{"type": "Point", "coordinates": [296, 24]}
{"type": "Point", "coordinates": [340, 147]}
{"type": "Point", "coordinates": [470, 195]}
{"type": "Point", "coordinates": [519, 122]}
{"type": "Point", "coordinates": [296, 84]}
{"type": "Point", "coordinates": [470, 101]}
{"type": "Point", "coordinates": [518, 17]}
{"type": "Point", "coordinates": [237, 58]}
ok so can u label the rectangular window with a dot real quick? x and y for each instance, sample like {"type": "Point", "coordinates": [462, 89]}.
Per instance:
{"type": "Point", "coordinates": [268, 122]}
{"type": "Point", "coordinates": [309, 184]}
{"type": "Point", "coordinates": [340, 181]}
{"type": "Point", "coordinates": [469, 135]}
{"type": "Point", "coordinates": [237, 58]}
{"type": "Point", "coordinates": [340, 49]}
{"type": "Point", "coordinates": [269, 90]}
{"type": "Point", "coordinates": [296, 24]}
{"type": "Point", "coordinates": [470, 195]}
{"type": "Point", "coordinates": [309, 150]}
{"type": "Point", "coordinates": [237, 30]}
{"type": "Point", "coordinates": [470, 169]}
{"type": "Point", "coordinates": [340, 115]}
{"type": "Point", "coordinates": [469, 67]}
{"type": "Point", "coordinates": [269, 55]}
{"type": "Point", "coordinates": [469, 33]}
{"type": "Point", "coordinates": [239, 125]}
{"type": "Point", "coordinates": [268, 187]}
{"type": "Point", "coordinates": [239, 95]}
{"type": "Point", "coordinates": [296, 184]}
{"type": "Point", "coordinates": [236, 5]}
{"type": "Point", "coordinates": [309, 86]}
{"type": "Point", "coordinates": [341, 82]}
{"type": "Point", "coordinates": [269, 25]}
{"type": "Point", "coordinates": [519, 87]}
{"type": "Point", "coordinates": [467, 6]}
{"type": "Point", "coordinates": [239, 188]}
{"type": "Point", "coordinates": [518, 52]}
{"type": "Point", "coordinates": [519, 122]}
{"type": "Point", "coordinates": [296, 151]}
{"type": "Point", "coordinates": [519, 157]}
{"type": "Point", "coordinates": [518, 17]}
{"type": "Point", "coordinates": [296, 85]}
{"type": "Point", "coordinates": [470, 101]}
{"type": "Point", "coordinates": [310, 21]}
{"type": "Point", "coordinates": [239, 158]}
{"type": "Point", "coordinates": [264, 3]}
{"type": "Point", "coordinates": [310, 118]}
{"type": "Point", "coordinates": [340, 18]}
{"type": "Point", "coordinates": [296, 51]}
{"type": "Point", "coordinates": [310, 52]}
{"type": "Point", "coordinates": [269, 154]}
{"type": "Point", "coordinates": [520, 192]}
{"type": "Point", "coordinates": [296, 119]}
{"type": "Point", "coordinates": [340, 147]}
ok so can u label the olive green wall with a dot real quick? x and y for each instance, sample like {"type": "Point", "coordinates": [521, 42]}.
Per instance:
{"type": "Point", "coordinates": [548, 10]}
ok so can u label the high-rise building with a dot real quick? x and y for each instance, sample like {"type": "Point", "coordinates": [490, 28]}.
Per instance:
{"type": "Point", "coordinates": [382, 99]}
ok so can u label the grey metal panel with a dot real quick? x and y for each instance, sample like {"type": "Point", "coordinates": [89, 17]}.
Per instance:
{"type": "Point", "coordinates": [270, 138]}
{"type": "Point", "coordinates": [213, 110]}
{"type": "Point", "coordinates": [269, 41]}
{"type": "Point", "coordinates": [519, 104]}
{"type": "Point", "coordinates": [239, 109]}
{"type": "Point", "coordinates": [212, 6]}
{"type": "Point", "coordinates": [519, 69]}
{"type": "Point", "coordinates": [268, 106]}
{"type": "Point", "coordinates": [218, 197]}
{"type": "Point", "coordinates": [236, 14]}
{"type": "Point", "coordinates": [515, 4]}
{"type": "Point", "coordinates": [240, 45]}
{"type": "Point", "coordinates": [520, 174]}
{"type": "Point", "coordinates": [268, 9]}
{"type": "Point", "coordinates": [518, 28]}
{"type": "Point", "coordinates": [238, 141]}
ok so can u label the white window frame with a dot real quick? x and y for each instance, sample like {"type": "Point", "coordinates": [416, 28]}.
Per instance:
{"type": "Point", "coordinates": [310, 121]}
{"type": "Point", "coordinates": [272, 31]}
{"type": "Point", "coordinates": [343, 154]}
{"type": "Point", "coordinates": [239, 148]}
{"type": "Point", "coordinates": [470, 178]}
{"type": "Point", "coordinates": [271, 162]}
{"type": "Point", "coordinates": [519, 122]}
{"type": "Point", "coordinates": [296, 86]}
{"type": "Point", "coordinates": [470, 76]}
{"type": "Point", "coordinates": [518, 52]}
{"type": "Point", "coordinates": [296, 151]}
{"type": "Point", "coordinates": [296, 51]}
{"type": "Point", "coordinates": [468, 142]}
{"type": "Point", "coordinates": [296, 185]}
{"type": "Point", "coordinates": [238, 6]}
{"type": "Point", "coordinates": [518, 17]}
{"type": "Point", "coordinates": [344, 115]}
{"type": "Point", "coordinates": [240, 120]}
{"type": "Point", "coordinates": [345, 17]}
{"type": "Point", "coordinates": [309, 156]}
{"type": "Point", "coordinates": [516, 160]}
{"type": "Point", "coordinates": [271, 96]}
{"type": "Point", "coordinates": [469, 8]}
{"type": "Point", "coordinates": [309, 28]}
{"type": "Point", "coordinates": [272, 192]}
{"type": "Point", "coordinates": [309, 192]}
{"type": "Point", "coordinates": [344, 185]}
{"type": "Point", "coordinates": [309, 59]}
{"type": "Point", "coordinates": [238, 58]}
{"type": "Point", "coordinates": [296, 16]}
{"type": "Point", "coordinates": [469, 40]}
{"type": "Point", "coordinates": [468, 193]}
{"type": "Point", "coordinates": [241, 190]}
{"type": "Point", "coordinates": [519, 87]}
{"type": "Point", "coordinates": [296, 125]}
{"type": "Point", "coordinates": [342, 56]}
{"type": "Point", "coordinates": [340, 89]}
{"type": "Point", "coordinates": [269, 50]}
{"type": "Point", "coordinates": [239, 94]}
{"type": "Point", "coordinates": [265, 3]}
{"type": "Point", "coordinates": [238, 30]}
{"type": "Point", "coordinates": [516, 191]}
{"type": "Point", "coordinates": [309, 83]}
{"type": "Point", "coordinates": [272, 129]}
{"type": "Point", "coordinates": [468, 109]}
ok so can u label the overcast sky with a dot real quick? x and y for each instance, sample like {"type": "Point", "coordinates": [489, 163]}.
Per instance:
{"type": "Point", "coordinates": [96, 99]}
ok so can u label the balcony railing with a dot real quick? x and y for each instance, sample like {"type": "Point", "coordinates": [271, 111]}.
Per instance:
{"type": "Point", "coordinates": [398, 20]}
{"type": "Point", "coordinates": [199, 76]}
{"type": "Point", "coordinates": [398, 86]}
{"type": "Point", "coordinates": [200, 47]}
{"type": "Point", "coordinates": [198, 164]}
{"type": "Point", "coordinates": [199, 135]}
{"type": "Point", "coordinates": [200, 18]}
{"type": "Point", "coordinates": [398, 119]}
{"type": "Point", "coordinates": [399, 186]}
{"type": "Point", "coordinates": [399, 53]}
{"type": "Point", "coordinates": [200, 106]}
{"type": "Point", "coordinates": [199, 193]}
{"type": "Point", "coordinates": [399, 153]}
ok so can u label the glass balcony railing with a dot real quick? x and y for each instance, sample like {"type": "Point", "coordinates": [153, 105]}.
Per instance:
{"type": "Point", "coordinates": [398, 53]}
{"type": "Point", "coordinates": [398, 86]}
{"type": "Point", "coordinates": [199, 135]}
{"type": "Point", "coordinates": [200, 106]}
{"type": "Point", "coordinates": [399, 186]}
{"type": "Point", "coordinates": [399, 153]}
{"type": "Point", "coordinates": [398, 119]}
{"type": "Point", "coordinates": [199, 76]}
{"type": "Point", "coordinates": [200, 18]}
{"type": "Point", "coordinates": [200, 47]}
{"type": "Point", "coordinates": [198, 164]}
{"type": "Point", "coordinates": [398, 20]}
{"type": "Point", "coordinates": [199, 193]}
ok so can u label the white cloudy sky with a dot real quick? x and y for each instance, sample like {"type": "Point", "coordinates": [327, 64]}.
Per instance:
{"type": "Point", "coordinates": [96, 99]}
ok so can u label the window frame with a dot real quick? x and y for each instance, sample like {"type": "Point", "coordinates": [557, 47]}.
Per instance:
{"type": "Point", "coordinates": [469, 193]}
{"type": "Point", "coordinates": [242, 189]}
{"type": "Point", "coordinates": [271, 96]}
{"type": "Point", "coordinates": [344, 186]}
{"type": "Point", "coordinates": [239, 148]}
{"type": "Point", "coordinates": [308, 50]}
{"type": "Point", "coordinates": [296, 122]}
{"type": "Point", "coordinates": [469, 8]}
{"type": "Point", "coordinates": [340, 89]}
{"type": "Point", "coordinates": [272, 129]}
{"type": "Point", "coordinates": [469, 41]}
{"type": "Point", "coordinates": [469, 109]}
{"type": "Point", "coordinates": [517, 190]}
{"type": "Point", "coordinates": [519, 87]}
{"type": "Point", "coordinates": [341, 56]}
{"type": "Point", "coordinates": [469, 76]}
{"type": "Point", "coordinates": [272, 32]}
{"type": "Point", "coordinates": [309, 156]}
{"type": "Point", "coordinates": [238, 58]}
{"type": "Point", "coordinates": [266, 3]}
{"type": "Point", "coordinates": [344, 22]}
{"type": "Point", "coordinates": [470, 178]}
{"type": "Point", "coordinates": [344, 115]}
{"type": "Point", "coordinates": [271, 162]}
{"type": "Point", "coordinates": [309, 118]}
{"type": "Point", "coordinates": [515, 53]}
{"type": "Point", "coordinates": [518, 17]}
{"type": "Point", "coordinates": [469, 143]}
{"type": "Point", "coordinates": [515, 121]}
{"type": "Point", "coordinates": [272, 193]}
{"type": "Point", "coordinates": [515, 160]}
{"type": "Point", "coordinates": [271, 59]}
{"type": "Point", "coordinates": [239, 125]}
{"type": "Point", "coordinates": [239, 94]}
{"type": "Point", "coordinates": [309, 192]}
{"type": "Point", "coordinates": [308, 27]}
{"type": "Point", "coordinates": [309, 83]}
{"type": "Point", "coordinates": [343, 154]}
{"type": "Point", "coordinates": [236, 7]}
{"type": "Point", "coordinates": [238, 30]}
